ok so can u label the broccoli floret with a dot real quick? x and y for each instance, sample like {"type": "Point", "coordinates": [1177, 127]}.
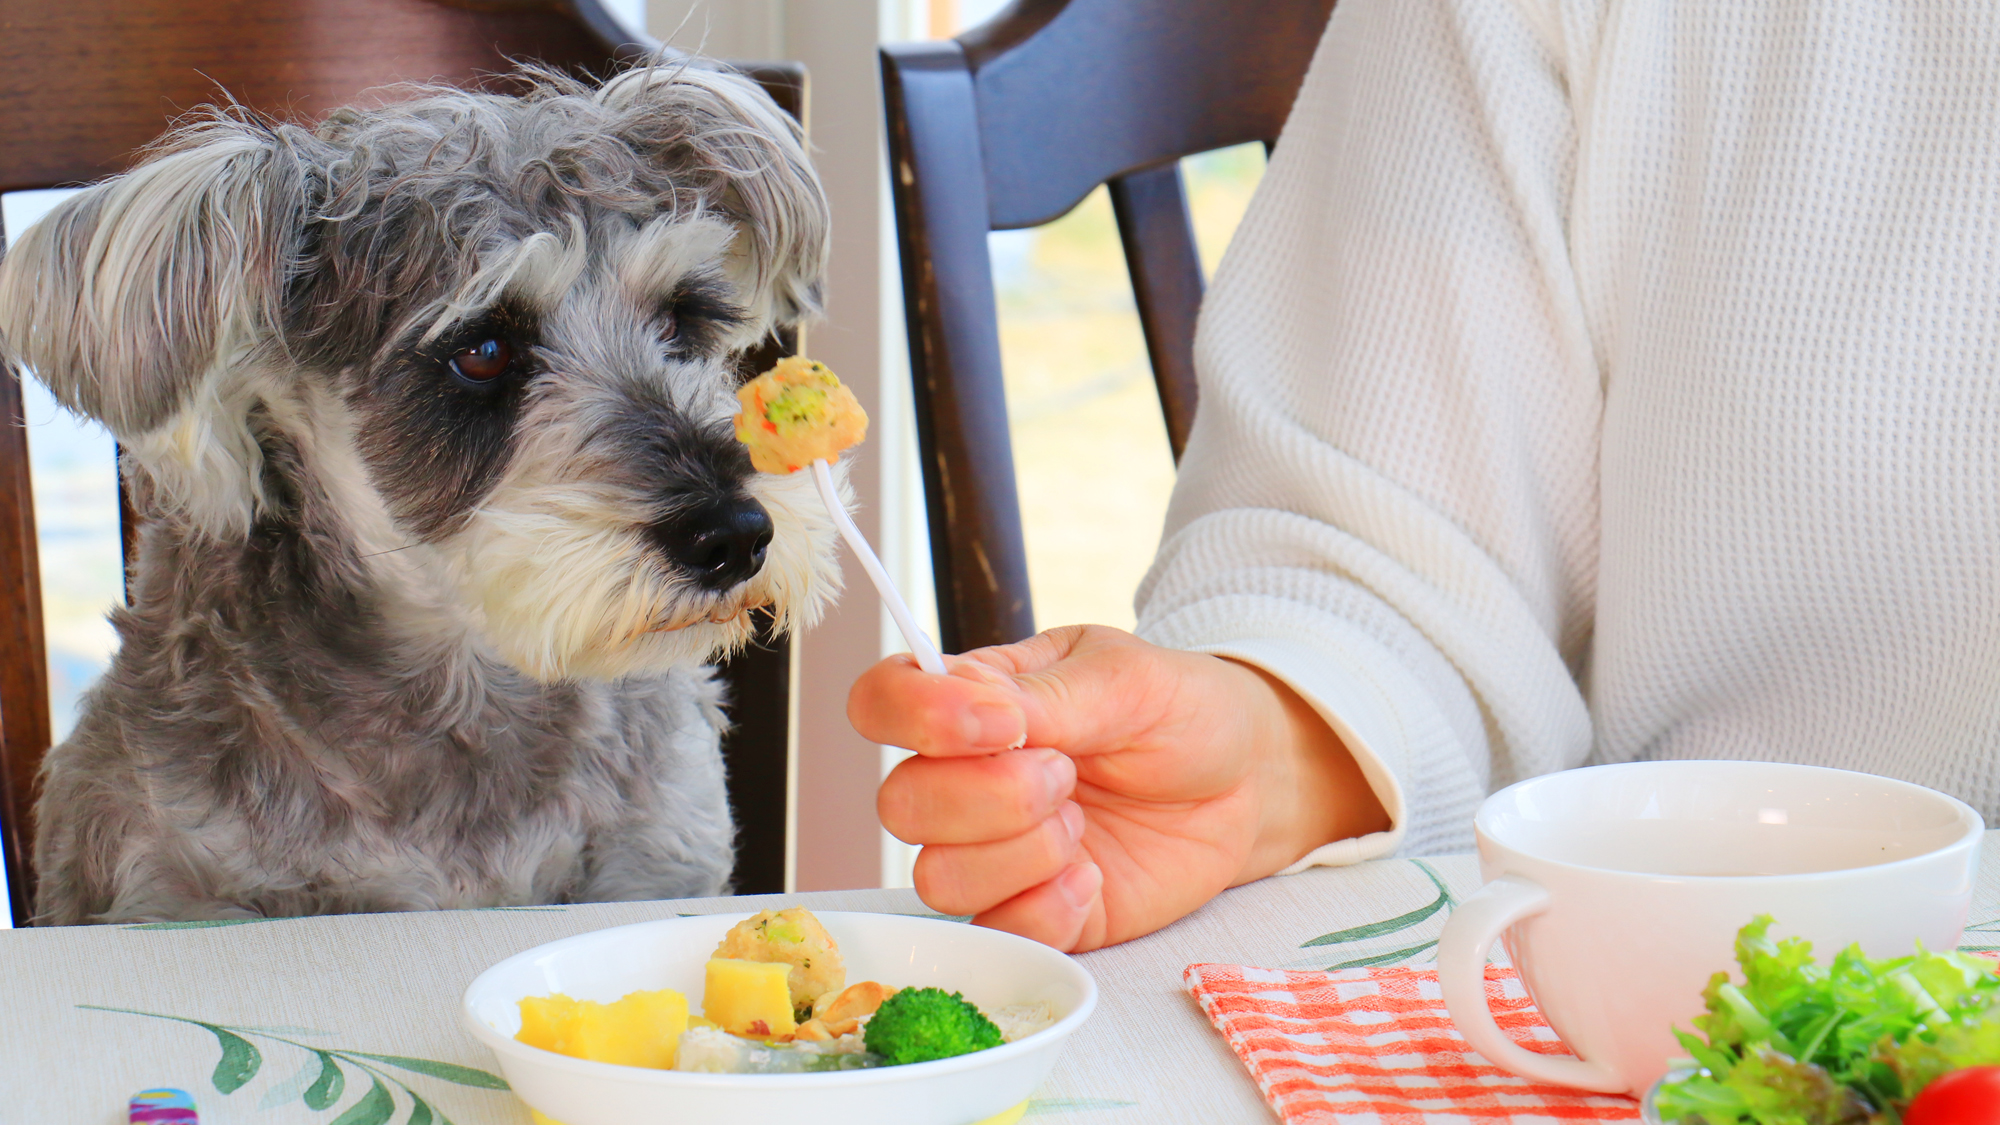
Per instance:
{"type": "Point", "coordinates": [921, 1024]}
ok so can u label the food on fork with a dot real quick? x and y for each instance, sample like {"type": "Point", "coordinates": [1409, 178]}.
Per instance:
{"type": "Point", "coordinates": [796, 413]}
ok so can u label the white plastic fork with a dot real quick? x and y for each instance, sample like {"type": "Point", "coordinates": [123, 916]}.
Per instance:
{"type": "Point", "coordinates": [920, 645]}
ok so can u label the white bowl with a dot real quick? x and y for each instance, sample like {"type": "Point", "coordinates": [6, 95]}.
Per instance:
{"type": "Point", "coordinates": [991, 968]}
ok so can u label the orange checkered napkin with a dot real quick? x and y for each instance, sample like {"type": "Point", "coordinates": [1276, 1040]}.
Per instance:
{"type": "Point", "coordinates": [1375, 1047]}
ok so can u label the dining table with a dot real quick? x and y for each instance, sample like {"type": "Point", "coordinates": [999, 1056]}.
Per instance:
{"type": "Point", "coordinates": [303, 1020]}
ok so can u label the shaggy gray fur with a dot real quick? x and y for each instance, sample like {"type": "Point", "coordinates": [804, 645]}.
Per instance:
{"type": "Point", "coordinates": [404, 638]}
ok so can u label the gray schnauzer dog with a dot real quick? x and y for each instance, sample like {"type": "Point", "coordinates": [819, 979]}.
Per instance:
{"type": "Point", "coordinates": [426, 411]}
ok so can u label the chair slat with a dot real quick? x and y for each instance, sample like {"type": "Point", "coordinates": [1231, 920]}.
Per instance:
{"type": "Point", "coordinates": [88, 82]}
{"type": "Point", "coordinates": [1072, 93]}
{"type": "Point", "coordinates": [24, 669]}
{"type": "Point", "coordinates": [1158, 233]}
{"type": "Point", "coordinates": [938, 182]}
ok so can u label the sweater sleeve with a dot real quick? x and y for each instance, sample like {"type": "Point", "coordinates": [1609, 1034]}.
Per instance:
{"type": "Point", "coordinates": [1389, 500]}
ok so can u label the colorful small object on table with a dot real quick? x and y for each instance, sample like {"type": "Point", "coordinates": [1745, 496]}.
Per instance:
{"type": "Point", "coordinates": [164, 1106]}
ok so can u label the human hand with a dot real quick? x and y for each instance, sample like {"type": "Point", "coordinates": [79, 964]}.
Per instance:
{"type": "Point", "coordinates": [1084, 787]}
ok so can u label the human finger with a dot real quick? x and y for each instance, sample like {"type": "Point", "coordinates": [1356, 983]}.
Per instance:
{"type": "Point", "coordinates": [1089, 688]}
{"type": "Point", "coordinates": [898, 704]}
{"type": "Point", "coordinates": [969, 878]}
{"type": "Point", "coordinates": [973, 800]}
{"type": "Point", "coordinates": [1062, 912]}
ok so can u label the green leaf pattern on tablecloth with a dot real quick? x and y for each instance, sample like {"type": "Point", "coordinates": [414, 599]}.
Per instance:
{"type": "Point", "coordinates": [1975, 932]}
{"type": "Point", "coordinates": [241, 1061]}
{"type": "Point", "coordinates": [1348, 947]}
{"type": "Point", "coordinates": [326, 1090]}
{"type": "Point", "coordinates": [1367, 931]}
{"type": "Point", "coordinates": [374, 1108]}
{"type": "Point", "coordinates": [1978, 931]}
{"type": "Point", "coordinates": [450, 1072]}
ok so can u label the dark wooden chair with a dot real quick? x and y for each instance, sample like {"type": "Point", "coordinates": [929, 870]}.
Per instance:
{"type": "Point", "coordinates": [1011, 125]}
{"type": "Point", "coordinates": [84, 84]}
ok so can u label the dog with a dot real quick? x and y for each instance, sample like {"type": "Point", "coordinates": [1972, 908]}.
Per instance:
{"type": "Point", "coordinates": [426, 412]}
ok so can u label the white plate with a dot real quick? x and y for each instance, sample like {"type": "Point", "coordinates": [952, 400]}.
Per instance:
{"type": "Point", "coordinates": [991, 968]}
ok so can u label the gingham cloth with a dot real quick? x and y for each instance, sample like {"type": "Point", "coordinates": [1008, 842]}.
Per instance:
{"type": "Point", "coordinates": [1375, 1047]}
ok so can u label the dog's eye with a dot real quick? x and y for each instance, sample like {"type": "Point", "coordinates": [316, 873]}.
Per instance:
{"type": "Point", "coordinates": [483, 362]}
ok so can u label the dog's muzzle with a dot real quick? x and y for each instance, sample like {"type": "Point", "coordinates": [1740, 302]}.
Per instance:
{"type": "Point", "coordinates": [719, 544]}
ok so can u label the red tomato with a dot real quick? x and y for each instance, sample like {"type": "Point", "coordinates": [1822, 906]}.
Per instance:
{"type": "Point", "coordinates": [1963, 1097]}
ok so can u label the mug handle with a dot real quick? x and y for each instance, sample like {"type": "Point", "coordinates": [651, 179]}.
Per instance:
{"type": "Point", "coordinates": [1468, 934]}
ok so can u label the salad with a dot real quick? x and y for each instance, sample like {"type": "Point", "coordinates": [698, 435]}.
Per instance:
{"type": "Point", "coordinates": [775, 1000]}
{"type": "Point", "coordinates": [1903, 1041]}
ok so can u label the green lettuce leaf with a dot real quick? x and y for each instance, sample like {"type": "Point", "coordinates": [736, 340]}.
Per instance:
{"type": "Point", "coordinates": [1848, 1043]}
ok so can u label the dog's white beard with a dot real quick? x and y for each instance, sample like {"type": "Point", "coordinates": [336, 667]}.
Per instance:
{"type": "Point", "coordinates": [567, 586]}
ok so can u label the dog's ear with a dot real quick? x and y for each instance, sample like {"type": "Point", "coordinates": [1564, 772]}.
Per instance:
{"type": "Point", "coordinates": [704, 124]}
{"type": "Point", "coordinates": [142, 302]}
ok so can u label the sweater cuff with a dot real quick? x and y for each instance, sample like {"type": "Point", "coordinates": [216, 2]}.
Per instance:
{"type": "Point", "coordinates": [1362, 691]}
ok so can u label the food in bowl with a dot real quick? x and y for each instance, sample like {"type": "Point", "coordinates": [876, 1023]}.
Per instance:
{"type": "Point", "coordinates": [775, 1001]}
{"type": "Point", "coordinates": [642, 1029]}
{"type": "Point", "coordinates": [1855, 1041]}
{"type": "Point", "coordinates": [993, 969]}
{"type": "Point", "coordinates": [795, 939]}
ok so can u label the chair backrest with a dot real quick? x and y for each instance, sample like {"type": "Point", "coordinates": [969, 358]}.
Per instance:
{"type": "Point", "coordinates": [1011, 125]}
{"type": "Point", "coordinates": [84, 84]}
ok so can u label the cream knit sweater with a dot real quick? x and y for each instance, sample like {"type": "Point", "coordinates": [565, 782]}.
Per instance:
{"type": "Point", "coordinates": [1596, 380]}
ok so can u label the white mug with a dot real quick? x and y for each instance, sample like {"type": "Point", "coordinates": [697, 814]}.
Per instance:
{"type": "Point", "coordinates": [1619, 891]}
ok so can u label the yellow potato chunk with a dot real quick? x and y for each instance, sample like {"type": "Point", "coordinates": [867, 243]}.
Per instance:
{"type": "Point", "coordinates": [795, 938]}
{"type": "Point", "coordinates": [642, 1029]}
{"type": "Point", "coordinates": [796, 413]}
{"type": "Point", "coordinates": [545, 1021]}
{"type": "Point", "coordinates": [748, 997]}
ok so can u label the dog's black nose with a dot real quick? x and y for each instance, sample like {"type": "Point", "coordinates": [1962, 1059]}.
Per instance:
{"type": "Point", "coordinates": [718, 544]}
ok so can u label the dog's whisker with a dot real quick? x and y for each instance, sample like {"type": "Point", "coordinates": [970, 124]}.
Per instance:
{"type": "Point", "coordinates": [390, 551]}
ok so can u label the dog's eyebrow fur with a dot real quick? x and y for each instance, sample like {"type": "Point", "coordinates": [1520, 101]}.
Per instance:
{"type": "Point", "coordinates": [539, 269]}
{"type": "Point", "coordinates": [652, 263]}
